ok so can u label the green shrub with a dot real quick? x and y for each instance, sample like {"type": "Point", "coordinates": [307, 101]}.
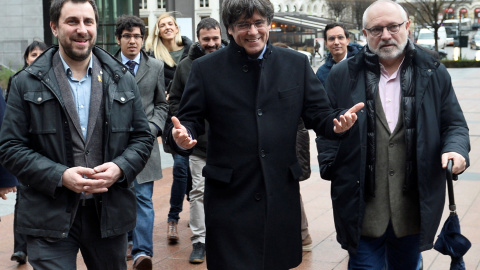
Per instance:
{"type": "Point", "coordinates": [5, 74]}
{"type": "Point", "coordinates": [461, 63]}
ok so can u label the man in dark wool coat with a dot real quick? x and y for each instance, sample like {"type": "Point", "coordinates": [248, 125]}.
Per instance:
{"type": "Point", "coordinates": [252, 94]}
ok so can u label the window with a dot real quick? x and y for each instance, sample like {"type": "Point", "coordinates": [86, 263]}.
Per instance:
{"type": "Point", "coordinates": [142, 4]}
{"type": "Point", "coordinates": [161, 4]}
{"type": "Point", "coordinates": [204, 3]}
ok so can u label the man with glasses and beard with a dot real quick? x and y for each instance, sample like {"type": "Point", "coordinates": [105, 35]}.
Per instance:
{"type": "Point", "coordinates": [75, 135]}
{"type": "Point", "coordinates": [252, 95]}
{"type": "Point", "coordinates": [388, 177]}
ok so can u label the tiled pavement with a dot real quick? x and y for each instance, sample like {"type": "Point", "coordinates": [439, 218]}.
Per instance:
{"type": "Point", "coordinates": [326, 253]}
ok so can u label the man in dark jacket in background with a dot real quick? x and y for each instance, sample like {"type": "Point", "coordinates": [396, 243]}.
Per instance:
{"type": "Point", "coordinates": [8, 182]}
{"type": "Point", "coordinates": [76, 136]}
{"type": "Point", "coordinates": [337, 40]}
{"type": "Point", "coordinates": [388, 177]}
{"type": "Point", "coordinates": [209, 40]}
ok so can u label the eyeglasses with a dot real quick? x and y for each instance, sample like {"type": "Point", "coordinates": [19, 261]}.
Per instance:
{"type": "Point", "coordinates": [128, 36]}
{"type": "Point", "coordinates": [377, 31]}
{"type": "Point", "coordinates": [243, 27]}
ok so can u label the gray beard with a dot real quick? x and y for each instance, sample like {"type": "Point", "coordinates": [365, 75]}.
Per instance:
{"type": "Point", "coordinates": [389, 54]}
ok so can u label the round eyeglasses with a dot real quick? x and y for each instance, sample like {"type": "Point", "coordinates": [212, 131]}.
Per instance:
{"type": "Point", "coordinates": [377, 31]}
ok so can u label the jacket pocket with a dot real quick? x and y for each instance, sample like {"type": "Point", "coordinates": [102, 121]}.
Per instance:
{"type": "Point", "coordinates": [217, 173]}
{"type": "Point", "coordinates": [43, 110]}
{"type": "Point", "coordinates": [122, 111]}
{"type": "Point", "coordinates": [289, 92]}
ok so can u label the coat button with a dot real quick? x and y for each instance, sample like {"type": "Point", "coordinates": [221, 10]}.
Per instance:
{"type": "Point", "coordinates": [245, 68]}
{"type": "Point", "coordinates": [262, 153]}
{"type": "Point", "coordinates": [259, 112]}
{"type": "Point", "coordinates": [39, 99]}
{"type": "Point", "coordinates": [258, 196]}
{"type": "Point", "coordinates": [391, 173]}
{"type": "Point", "coordinates": [122, 99]}
{"type": "Point", "coordinates": [390, 144]}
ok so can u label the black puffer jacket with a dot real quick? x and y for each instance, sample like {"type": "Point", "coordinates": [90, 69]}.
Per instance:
{"type": "Point", "coordinates": [407, 87]}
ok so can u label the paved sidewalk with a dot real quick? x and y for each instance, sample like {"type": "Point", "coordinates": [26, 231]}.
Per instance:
{"type": "Point", "coordinates": [326, 253]}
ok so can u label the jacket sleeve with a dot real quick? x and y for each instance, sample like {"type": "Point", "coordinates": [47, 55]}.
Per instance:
{"type": "Point", "coordinates": [160, 108]}
{"type": "Point", "coordinates": [454, 130]}
{"type": "Point", "coordinates": [176, 88]}
{"type": "Point", "coordinates": [17, 153]}
{"type": "Point", "coordinates": [6, 178]}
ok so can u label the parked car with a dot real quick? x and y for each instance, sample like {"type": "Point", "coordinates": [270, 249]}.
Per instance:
{"type": "Point", "coordinates": [426, 38]}
{"type": "Point", "coordinates": [475, 41]}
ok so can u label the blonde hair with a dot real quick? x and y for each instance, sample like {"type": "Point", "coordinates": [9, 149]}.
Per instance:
{"type": "Point", "coordinates": [154, 41]}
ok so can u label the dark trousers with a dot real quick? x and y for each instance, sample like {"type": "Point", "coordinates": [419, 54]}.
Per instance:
{"type": "Point", "coordinates": [20, 240]}
{"type": "Point", "coordinates": [98, 253]}
{"type": "Point", "coordinates": [386, 252]}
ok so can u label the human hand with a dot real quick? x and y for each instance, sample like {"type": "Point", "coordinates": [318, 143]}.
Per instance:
{"type": "Point", "coordinates": [348, 119]}
{"type": "Point", "coordinates": [5, 190]}
{"type": "Point", "coordinates": [180, 135]}
{"type": "Point", "coordinates": [107, 174]}
{"type": "Point", "coordinates": [459, 162]}
{"type": "Point", "coordinates": [78, 179]}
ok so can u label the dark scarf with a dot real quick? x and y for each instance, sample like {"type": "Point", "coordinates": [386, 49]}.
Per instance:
{"type": "Point", "coordinates": [407, 84]}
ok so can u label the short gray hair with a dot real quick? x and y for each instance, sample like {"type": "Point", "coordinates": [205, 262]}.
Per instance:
{"type": "Point", "coordinates": [403, 12]}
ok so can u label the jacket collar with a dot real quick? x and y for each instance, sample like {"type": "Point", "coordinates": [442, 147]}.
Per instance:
{"type": "Point", "coordinates": [197, 52]}
{"type": "Point", "coordinates": [111, 65]}
{"type": "Point", "coordinates": [241, 51]}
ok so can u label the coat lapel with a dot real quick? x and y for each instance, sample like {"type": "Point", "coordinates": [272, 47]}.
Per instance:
{"type": "Point", "coordinates": [66, 93]}
{"type": "Point", "coordinates": [95, 96]}
{"type": "Point", "coordinates": [142, 68]}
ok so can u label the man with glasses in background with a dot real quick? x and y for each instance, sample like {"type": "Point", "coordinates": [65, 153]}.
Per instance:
{"type": "Point", "coordinates": [388, 177]}
{"type": "Point", "coordinates": [148, 71]}
{"type": "Point", "coordinates": [252, 95]}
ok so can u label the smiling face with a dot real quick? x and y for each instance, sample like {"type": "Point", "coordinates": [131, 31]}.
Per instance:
{"type": "Point", "coordinates": [337, 43]}
{"type": "Point", "coordinates": [210, 39]}
{"type": "Point", "coordinates": [167, 28]}
{"type": "Point", "coordinates": [387, 46]}
{"type": "Point", "coordinates": [131, 46]}
{"type": "Point", "coordinates": [76, 31]}
{"type": "Point", "coordinates": [254, 39]}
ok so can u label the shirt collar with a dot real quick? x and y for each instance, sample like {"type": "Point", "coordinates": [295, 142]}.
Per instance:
{"type": "Point", "coordinates": [261, 55]}
{"type": "Point", "coordinates": [68, 71]}
{"type": "Point", "coordinates": [125, 59]}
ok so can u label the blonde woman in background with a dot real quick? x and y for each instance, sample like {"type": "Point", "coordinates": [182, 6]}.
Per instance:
{"type": "Point", "coordinates": [166, 43]}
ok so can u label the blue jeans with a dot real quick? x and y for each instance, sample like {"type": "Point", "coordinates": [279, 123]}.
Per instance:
{"type": "Point", "coordinates": [142, 235]}
{"type": "Point", "coordinates": [387, 250]}
{"type": "Point", "coordinates": [181, 172]}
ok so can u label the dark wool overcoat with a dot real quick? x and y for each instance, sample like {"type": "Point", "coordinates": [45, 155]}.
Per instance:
{"type": "Point", "coordinates": [252, 203]}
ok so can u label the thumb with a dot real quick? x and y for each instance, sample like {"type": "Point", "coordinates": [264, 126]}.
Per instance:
{"type": "Point", "coordinates": [176, 122]}
{"type": "Point", "coordinates": [356, 107]}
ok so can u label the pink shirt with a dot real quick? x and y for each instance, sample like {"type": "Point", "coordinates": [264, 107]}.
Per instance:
{"type": "Point", "coordinates": [390, 93]}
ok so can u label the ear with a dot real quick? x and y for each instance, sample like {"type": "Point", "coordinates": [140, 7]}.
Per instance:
{"type": "Point", "coordinates": [230, 31]}
{"type": "Point", "coordinates": [364, 32]}
{"type": "Point", "coordinates": [54, 29]}
{"type": "Point", "coordinates": [118, 41]}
